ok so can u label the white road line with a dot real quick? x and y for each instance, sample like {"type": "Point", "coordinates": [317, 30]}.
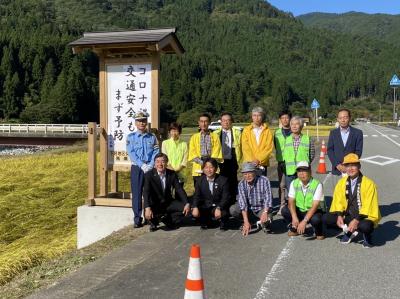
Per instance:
{"type": "Point", "coordinates": [374, 135]}
{"type": "Point", "coordinates": [387, 137]}
{"type": "Point", "coordinates": [365, 135]}
{"type": "Point", "coordinates": [327, 178]}
{"type": "Point", "coordinates": [395, 136]}
{"type": "Point", "coordinates": [276, 268]}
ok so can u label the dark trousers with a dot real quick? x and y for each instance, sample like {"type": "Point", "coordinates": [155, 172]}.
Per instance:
{"type": "Point", "coordinates": [253, 216]}
{"type": "Point", "coordinates": [282, 185]}
{"type": "Point", "coordinates": [229, 170]}
{"type": "Point", "coordinates": [316, 219]}
{"type": "Point", "coordinates": [207, 214]}
{"type": "Point", "coordinates": [288, 180]}
{"type": "Point", "coordinates": [365, 226]}
{"type": "Point", "coordinates": [172, 213]}
{"type": "Point", "coordinates": [137, 181]}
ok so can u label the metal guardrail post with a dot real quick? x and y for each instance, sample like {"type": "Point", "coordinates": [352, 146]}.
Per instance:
{"type": "Point", "coordinates": [92, 139]}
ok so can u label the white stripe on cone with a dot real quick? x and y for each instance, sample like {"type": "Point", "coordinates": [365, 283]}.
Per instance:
{"type": "Point", "coordinates": [194, 272]}
{"type": "Point", "coordinates": [194, 294]}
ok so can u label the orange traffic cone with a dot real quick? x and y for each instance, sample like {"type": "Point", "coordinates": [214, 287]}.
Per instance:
{"type": "Point", "coordinates": [321, 166]}
{"type": "Point", "coordinates": [194, 282]}
{"type": "Point", "coordinates": [323, 147]}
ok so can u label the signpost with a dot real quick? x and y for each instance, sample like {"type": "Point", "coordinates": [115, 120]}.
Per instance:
{"type": "Point", "coordinates": [315, 105]}
{"type": "Point", "coordinates": [394, 83]}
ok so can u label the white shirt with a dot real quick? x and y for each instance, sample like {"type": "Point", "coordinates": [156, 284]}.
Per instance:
{"type": "Point", "coordinates": [257, 133]}
{"type": "Point", "coordinates": [344, 132]}
{"type": "Point", "coordinates": [211, 185]}
{"type": "Point", "coordinates": [318, 195]}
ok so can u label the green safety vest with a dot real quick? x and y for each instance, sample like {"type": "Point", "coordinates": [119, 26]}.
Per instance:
{"type": "Point", "coordinates": [291, 157]}
{"type": "Point", "coordinates": [305, 202]}
{"type": "Point", "coordinates": [280, 141]}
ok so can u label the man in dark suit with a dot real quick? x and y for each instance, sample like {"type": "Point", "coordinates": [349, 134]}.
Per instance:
{"type": "Point", "coordinates": [211, 196]}
{"type": "Point", "coordinates": [343, 140]}
{"type": "Point", "coordinates": [159, 204]}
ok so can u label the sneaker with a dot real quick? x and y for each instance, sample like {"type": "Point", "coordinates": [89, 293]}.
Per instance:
{"type": "Point", "coordinates": [322, 237]}
{"type": "Point", "coordinates": [137, 225]}
{"type": "Point", "coordinates": [203, 227]}
{"type": "Point", "coordinates": [223, 226]}
{"type": "Point", "coordinates": [366, 241]}
{"type": "Point", "coordinates": [345, 239]}
{"type": "Point", "coordinates": [292, 233]}
{"type": "Point", "coordinates": [153, 227]}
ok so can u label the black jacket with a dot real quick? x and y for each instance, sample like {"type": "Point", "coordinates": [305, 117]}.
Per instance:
{"type": "Point", "coordinates": [153, 194]}
{"type": "Point", "coordinates": [336, 149]}
{"type": "Point", "coordinates": [203, 198]}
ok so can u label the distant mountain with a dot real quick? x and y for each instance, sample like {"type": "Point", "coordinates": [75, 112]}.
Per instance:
{"type": "Point", "coordinates": [378, 26]}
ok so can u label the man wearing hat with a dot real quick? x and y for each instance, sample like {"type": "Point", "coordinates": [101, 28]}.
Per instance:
{"type": "Point", "coordinates": [142, 147]}
{"type": "Point", "coordinates": [354, 206]}
{"type": "Point", "coordinates": [254, 199]}
{"type": "Point", "coordinates": [306, 203]}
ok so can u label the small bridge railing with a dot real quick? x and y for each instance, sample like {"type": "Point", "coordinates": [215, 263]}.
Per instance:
{"type": "Point", "coordinates": [44, 130]}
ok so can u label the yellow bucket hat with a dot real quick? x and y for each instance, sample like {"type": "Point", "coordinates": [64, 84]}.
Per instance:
{"type": "Point", "coordinates": [351, 158]}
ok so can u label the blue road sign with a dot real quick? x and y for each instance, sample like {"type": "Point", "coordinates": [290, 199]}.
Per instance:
{"type": "Point", "coordinates": [315, 104]}
{"type": "Point", "coordinates": [395, 81]}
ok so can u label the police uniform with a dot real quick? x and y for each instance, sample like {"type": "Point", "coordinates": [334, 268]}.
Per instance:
{"type": "Point", "coordinates": [142, 147]}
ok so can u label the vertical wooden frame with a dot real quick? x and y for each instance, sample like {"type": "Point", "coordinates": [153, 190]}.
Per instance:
{"type": "Point", "coordinates": [155, 92]}
{"type": "Point", "coordinates": [92, 140]}
{"type": "Point", "coordinates": [103, 126]}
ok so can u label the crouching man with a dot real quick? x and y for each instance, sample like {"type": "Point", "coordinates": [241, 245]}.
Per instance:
{"type": "Point", "coordinates": [159, 203]}
{"type": "Point", "coordinates": [254, 200]}
{"type": "Point", "coordinates": [305, 203]}
{"type": "Point", "coordinates": [211, 196]}
{"type": "Point", "coordinates": [354, 206]}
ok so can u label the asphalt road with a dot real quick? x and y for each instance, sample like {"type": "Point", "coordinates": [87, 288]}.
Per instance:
{"type": "Point", "coordinates": [261, 266]}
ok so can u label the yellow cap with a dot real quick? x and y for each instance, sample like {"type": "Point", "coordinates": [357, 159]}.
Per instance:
{"type": "Point", "coordinates": [351, 158]}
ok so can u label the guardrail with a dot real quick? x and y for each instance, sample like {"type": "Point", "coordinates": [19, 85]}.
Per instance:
{"type": "Point", "coordinates": [44, 129]}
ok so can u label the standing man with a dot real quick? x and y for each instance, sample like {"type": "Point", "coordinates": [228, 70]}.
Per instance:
{"type": "Point", "coordinates": [211, 196]}
{"type": "Point", "coordinates": [305, 203]}
{"type": "Point", "coordinates": [257, 141]}
{"type": "Point", "coordinates": [254, 200]}
{"type": "Point", "coordinates": [355, 205]}
{"type": "Point", "coordinates": [298, 147]}
{"type": "Point", "coordinates": [230, 138]}
{"type": "Point", "coordinates": [142, 147]}
{"type": "Point", "coordinates": [203, 145]}
{"type": "Point", "coordinates": [343, 140]}
{"type": "Point", "coordinates": [280, 136]}
{"type": "Point", "coordinates": [159, 204]}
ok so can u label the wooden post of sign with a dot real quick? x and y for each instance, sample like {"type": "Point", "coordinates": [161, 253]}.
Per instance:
{"type": "Point", "coordinates": [114, 181]}
{"type": "Point", "coordinates": [92, 138]}
{"type": "Point", "coordinates": [103, 126]}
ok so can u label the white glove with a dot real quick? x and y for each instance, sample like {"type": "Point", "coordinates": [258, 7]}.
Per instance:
{"type": "Point", "coordinates": [145, 167]}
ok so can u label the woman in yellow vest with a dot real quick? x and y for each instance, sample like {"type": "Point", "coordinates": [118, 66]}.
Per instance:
{"type": "Point", "coordinates": [355, 205]}
{"type": "Point", "coordinates": [298, 147]}
{"type": "Point", "coordinates": [306, 203]}
{"type": "Point", "coordinates": [177, 151]}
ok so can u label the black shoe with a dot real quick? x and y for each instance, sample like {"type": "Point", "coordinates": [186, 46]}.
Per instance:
{"type": "Point", "coordinates": [223, 226]}
{"type": "Point", "coordinates": [153, 227]}
{"type": "Point", "coordinates": [203, 227]}
{"type": "Point", "coordinates": [137, 225]}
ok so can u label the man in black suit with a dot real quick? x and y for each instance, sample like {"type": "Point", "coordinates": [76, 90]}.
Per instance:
{"type": "Point", "coordinates": [342, 141]}
{"type": "Point", "coordinates": [159, 204]}
{"type": "Point", "coordinates": [211, 196]}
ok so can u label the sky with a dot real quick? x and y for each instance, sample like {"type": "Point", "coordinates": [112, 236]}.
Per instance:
{"type": "Point", "coordinates": [299, 7]}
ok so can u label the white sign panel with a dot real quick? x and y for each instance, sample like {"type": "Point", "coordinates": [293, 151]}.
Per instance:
{"type": "Point", "coordinates": [128, 91]}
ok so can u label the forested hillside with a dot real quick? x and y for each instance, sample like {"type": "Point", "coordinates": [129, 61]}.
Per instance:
{"type": "Point", "coordinates": [238, 52]}
{"type": "Point", "coordinates": [378, 26]}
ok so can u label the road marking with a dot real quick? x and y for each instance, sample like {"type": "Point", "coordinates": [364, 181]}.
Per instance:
{"type": "Point", "coordinates": [375, 135]}
{"type": "Point", "coordinates": [327, 178]}
{"type": "Point", "coordinates": [387, 137]}
{"type": "Point", "coordinates": [387, 162]}
{"type": "Point", "coordinates": [395, 136]}
{"type": "Point", "coordinates": [283, 256]}
{"type": "Point", "coordinates": [365, 135]}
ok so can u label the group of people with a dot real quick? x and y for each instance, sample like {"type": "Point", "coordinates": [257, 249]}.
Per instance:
{"type": "Point", "coordinates": [159, 176]}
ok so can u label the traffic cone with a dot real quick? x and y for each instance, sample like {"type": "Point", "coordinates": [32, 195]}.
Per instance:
{"type": "Point", "coordinates": [323, 147]}
{"type": "Point", "coordinates": [322, 166]}
{"type": "Point", "coordinates": [194, 288]}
